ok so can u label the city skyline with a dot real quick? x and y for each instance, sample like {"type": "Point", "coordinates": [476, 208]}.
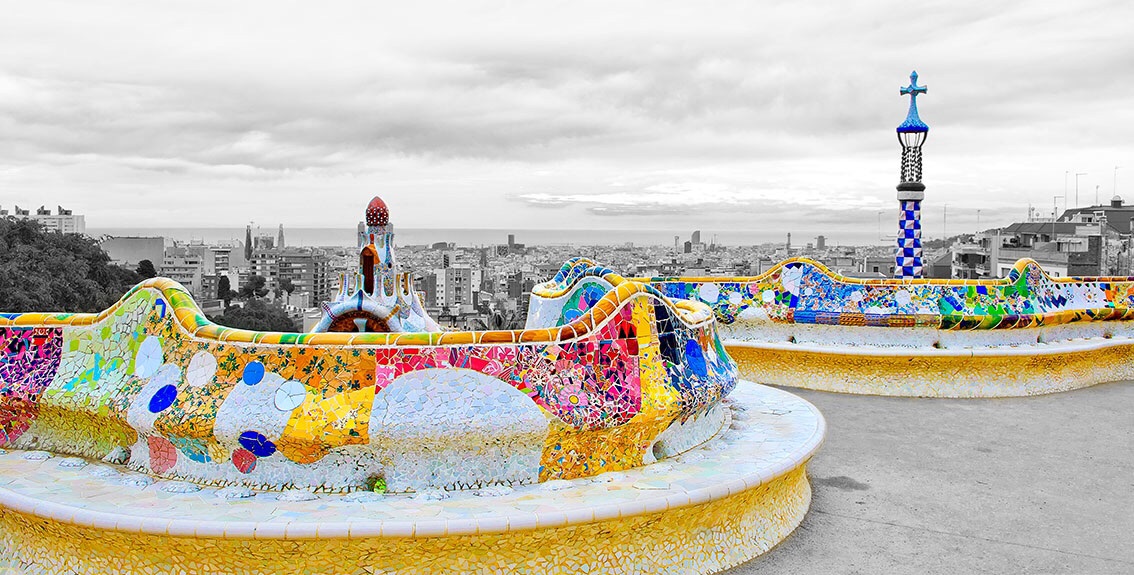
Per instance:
{"type": "Point", "coordinates": [629, 117]}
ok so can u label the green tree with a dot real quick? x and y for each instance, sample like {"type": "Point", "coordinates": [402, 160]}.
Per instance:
{"type": "Point", "coordinates": [146, 269]}
{"type": "Point", "coordinates": [224, 290]}
{"type": "Point", "coordinates": [287, 285]}
{"type": "Point", "coordinates": [49, 271]}
{"type": "Point", "coordinates": [254, 288]}
{"type": "Point", "coordinates": [256, 315]}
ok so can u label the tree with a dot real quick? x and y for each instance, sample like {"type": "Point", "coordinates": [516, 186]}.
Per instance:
{"type": "Point", "coordinates": [287, 285]}
{"type": "Point", "coordinates": [254, 288]}
{"type": "Point", "coordinates": [224, 290]}
{"type": "Point", "coordinates": [49, 271]}
{"type": "Point", "coordinates": [146, 269]}
{"type": "Point", "coordinates": [256, 315]}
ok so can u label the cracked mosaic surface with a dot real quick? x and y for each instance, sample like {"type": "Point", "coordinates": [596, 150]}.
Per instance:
{"type": "Point", "coordinates": [725, 502]}
{"type": "Point", "coordinates": [802, 291]}
{"type": "Point", "coordinates": [1005, 373]}
{"type": "Point", "coordinates": [802, 326]}
{"type": "Point", "coordinates": [196, 401]}
{"type": "Point", "coordinates": [29, 358]}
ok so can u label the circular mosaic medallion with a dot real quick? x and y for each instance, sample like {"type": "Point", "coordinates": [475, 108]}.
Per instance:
{"type": "Point", "coordinates": [163, 398]}
{"type": "Point", "coordinates": [255, 442]}
{"type": "Point", "coordinates": [163, 455]}
{"type": "Point", "coordinates": [202, 369]}
{"type": "Point", "coordinates": [253, 373]}
{"type": "Point", "coordinates": [149, 357]}
{"type": "Point", "coordinates": [244, 460]}
{"type": "Point", "coordinates": [290, 395]}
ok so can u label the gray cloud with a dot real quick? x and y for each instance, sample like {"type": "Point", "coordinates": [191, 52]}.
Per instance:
{"type": "Point", "coordinates": [766, 107]}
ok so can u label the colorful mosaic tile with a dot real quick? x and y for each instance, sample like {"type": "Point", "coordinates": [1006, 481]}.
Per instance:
{"type": "Point", "coordinates": [738, 493]}
{"type": "Point", "coordinates": [589, 393]}
{"type": "Point", "coordinates": [802, 291]}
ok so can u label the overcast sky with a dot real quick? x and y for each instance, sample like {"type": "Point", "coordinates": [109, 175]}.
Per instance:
{"type": "Point", "coordinates": [616, 115]}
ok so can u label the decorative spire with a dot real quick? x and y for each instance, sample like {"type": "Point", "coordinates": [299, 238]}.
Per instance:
{"type": "Point", "coordinates": [913, 123]}
{"type": "Point", "coordinates": [377, 214]}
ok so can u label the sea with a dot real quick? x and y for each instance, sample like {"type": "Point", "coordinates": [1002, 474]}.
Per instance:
{"type": "Point", "coordinates": [470, 237]}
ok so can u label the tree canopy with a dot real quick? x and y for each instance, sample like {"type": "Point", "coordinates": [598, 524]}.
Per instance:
{"type": "Point", "coordinates": [146, 269]}
{"type": "Point", "coordinates": [49, 271]}
{"type": "Point", "coordinates": [224, 290]}
{"type": "Point", "coordinates": [254, 287]}
{"type": "Point", "coordinates": [256, 315]}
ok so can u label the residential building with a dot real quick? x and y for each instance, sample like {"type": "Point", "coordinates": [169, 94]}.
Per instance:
{"type": "Point", "coordinates": [877, 267]}
{"type": "Point", "coordinates": [1089, 241]}
{"type": "Point", "coordinates": [183, 266]}
{"type": "Point", "coordinates": [457, 286]}
{"type": "Point", "coordinates": [63, 220]}
{"type": "Point", "coordinates": [308, 270]}
{"type": "Point", "coordinates": [127, 251]}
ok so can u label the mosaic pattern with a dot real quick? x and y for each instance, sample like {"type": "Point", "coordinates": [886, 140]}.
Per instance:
{"type": "Point", "coordinates": [29, 358]}
{"type": "Point", "coordinates": [909, 240]}
{"type": "Point", "coordinates": [940, 373]}
{"type": "Point", "coordinates": [911, 134]}
{"type": "Point", "coordinates": [377, 296]}
{"type": "Point", "coordinates": [335, 411]}
{"type": "Point", "coordinates": [723, 503]}
{"type": "Point", "coordinates": [802, 291]}
{"type": "Point", "coordinates": [697, 359]}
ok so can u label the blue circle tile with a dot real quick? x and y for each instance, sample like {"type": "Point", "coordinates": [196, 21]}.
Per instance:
{"type": "Point", "coordinates": [163, 398]}
{"type": "Point", "coordinates": [253, 373]}
{"type": "Point", "coordinates": [255, 442]}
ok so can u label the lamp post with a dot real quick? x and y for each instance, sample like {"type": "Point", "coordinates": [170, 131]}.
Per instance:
{"type": "Point", "coordinates": [1054, 211]}
{"type": "Point", "coordinates": [1066, 176]}
{"type": "Point", "coordinates": [911, 135]}
{"type": "Point", "coordinates": [1077, 174]}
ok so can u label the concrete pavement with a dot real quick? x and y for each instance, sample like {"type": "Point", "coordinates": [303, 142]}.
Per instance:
{"type": "Point", "coordinates": [1024, 485]}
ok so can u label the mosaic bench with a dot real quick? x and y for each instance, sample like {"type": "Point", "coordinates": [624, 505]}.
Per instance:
{"type": "Point", "coordinates": [801, 325]}
{"type": "Point", "coordinates": [339, 411]}
{"type": "Point", "coordinates": [606, 440]}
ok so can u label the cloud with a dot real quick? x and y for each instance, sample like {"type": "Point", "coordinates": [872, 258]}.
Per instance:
{"type": "Point", "coordinates": [699, 198]}
{"type": "Point", "coordinates": [567, 115]}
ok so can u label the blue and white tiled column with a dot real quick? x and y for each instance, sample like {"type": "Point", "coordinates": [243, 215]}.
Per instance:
{"type": "Point", "coordinates": [908, 255]}
{"type": "Point", "coordinates": [911, 135]}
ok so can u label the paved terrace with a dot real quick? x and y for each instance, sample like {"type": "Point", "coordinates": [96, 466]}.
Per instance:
{"type": "Point", "coordinates": [1024, 485]}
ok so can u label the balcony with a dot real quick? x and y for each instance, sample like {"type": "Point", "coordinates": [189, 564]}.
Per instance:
{"type": "Point", "coordinates": [969, 249]}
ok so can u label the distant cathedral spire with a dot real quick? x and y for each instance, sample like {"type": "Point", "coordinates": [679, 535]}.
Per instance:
{"type": "Point", "coordinates": [248, 242]}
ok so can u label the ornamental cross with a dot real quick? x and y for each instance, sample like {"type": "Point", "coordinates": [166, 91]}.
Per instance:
{"type": "Point", "coordinates": [913, 89]}
{"type": "Point", "coordinates": [913, 123]}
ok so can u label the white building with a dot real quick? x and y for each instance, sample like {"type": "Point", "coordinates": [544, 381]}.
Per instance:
{"type": "Point", "coordinates": [63, 221]}
{"type": "Point", "coordinates": [127, 251]}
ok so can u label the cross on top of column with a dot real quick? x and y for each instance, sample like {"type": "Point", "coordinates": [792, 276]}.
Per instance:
{"type": "Point", "coordinates": [913, 123]}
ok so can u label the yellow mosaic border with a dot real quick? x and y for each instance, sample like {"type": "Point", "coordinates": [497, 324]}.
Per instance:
{"type": "Point", "coordinates": [704, 538]}
{"type": "Point", "coordinates": [963, 373]}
